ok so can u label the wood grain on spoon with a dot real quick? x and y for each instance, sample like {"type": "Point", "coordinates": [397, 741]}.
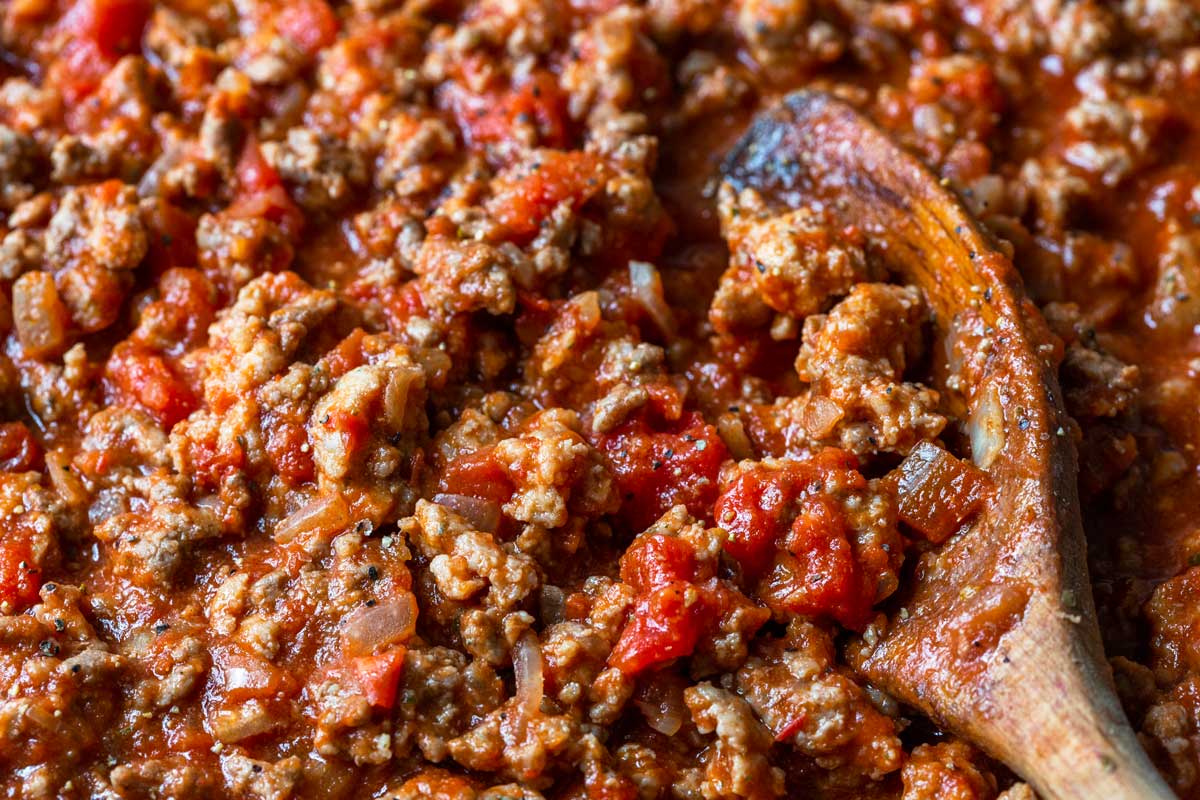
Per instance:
{"type": "Point", "coordinates": [998, 639]}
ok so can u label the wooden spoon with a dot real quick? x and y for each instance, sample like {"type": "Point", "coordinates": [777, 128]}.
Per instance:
{"type": "Point", "coordinates": [996, 638]}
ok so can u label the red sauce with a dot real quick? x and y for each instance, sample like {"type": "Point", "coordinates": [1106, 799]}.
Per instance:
{"type": "Point", "coordinates": [317, 314]}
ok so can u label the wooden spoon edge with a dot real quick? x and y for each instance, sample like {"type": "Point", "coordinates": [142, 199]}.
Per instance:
{"type": "Point", "coordinates": [1041, 698]}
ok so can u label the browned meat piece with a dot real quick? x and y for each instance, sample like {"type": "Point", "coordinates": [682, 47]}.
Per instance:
{"type": "Point", "coordinates": [801, 694]}
{"type": "Point", "coordinates": [950, 770]}
{"type": "Point", "coordinates": [854, 360]}
{"type": "Point", "coordinates": [791, 264]}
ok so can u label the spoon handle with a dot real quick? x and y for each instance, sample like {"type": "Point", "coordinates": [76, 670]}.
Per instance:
{"type": "Point", "coordinates": [1057, 722]}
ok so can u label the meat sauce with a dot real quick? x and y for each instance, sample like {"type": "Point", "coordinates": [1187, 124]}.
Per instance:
{"type": "Point", "coordinates": [395, 405]}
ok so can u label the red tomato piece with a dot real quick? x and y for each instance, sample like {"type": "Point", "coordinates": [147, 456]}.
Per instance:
{"type": "Point", "coordinates": [402, 303]}
{"type": "Point", "coordinates": [136, 375]}
{"type": "Point", "coordinates": [20, 579]}
{"type": "Point", "coordinates": [754, 518]}
{"type": "Point", "coordinates": [254, 174]}
{"type": "Point", "coordinates": [79, 70]}
{"type": "Point", "coordinates": [493, 118]}
{"type": "Point", "coordinates": [310, 24]}
{"type": "Point", "coordinates": [99, 32]}
{"type": "Point", "coordinates": [819, 573]}
{"type": "Point", "coordinates": [211, 461]}
{"type": "Point", "coordinates": [347, 354]}
{"type": "Point", "coordinates": [795, 542]}
{"type": "Point", "coordinates": [665, 624]}
{"type": "Point", "coordinates": [527, 194]}
{"type": "Point", "coordinates": [758, 508]}
{"type": "Point", "coordinates": [260, 192]}
{"type": "Point", "coordinates": [114, 25]}
{"type": "Point", "coordinates": [792, 727]}
{"type": "Point", "coordinates": [287, 448]}
{"type": "Point", "coordinates": [652, 561]}
{"type": "Point", "coordinates": [171, 234]}
{"type": "Point", "coordinates": [352, 429]}
{"type": "Point", "coordinates": [658, 469]}
{"type": "Point", "coordinates": [478, 474]}
{"type": "Point", "coordinates": [19, 451]}
{"type": "Point", "coordinates": [379, 676]}
{"type": "Point", "coordinates": [178, 320]}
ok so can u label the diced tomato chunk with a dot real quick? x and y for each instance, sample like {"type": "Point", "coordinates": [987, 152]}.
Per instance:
{"type": "Point", "coordinates": [79, 70]}
{"type": "Point", "coordinates": [346, 354]}
{"type": "Point", "coordinates": [528, 193]}
{"type": "Point", "coordinates": [676, 610]}
{"type": "Point", "coordinates": [936, 492]}
{"type": "Point", "coordinates": [254, 174]}
{"type": "Point", "coordinates": [753, 517]}
{"type": "Point", "coordinates": [478, 474]}
{"type": "Point", "coordinates": [19, 451]}
{"type": "Point", "coordinates": [114, 26]}
{"type": "Point", "coordinates": [819, 573]}
{"type": "Point", "coordinates": [212, 459]}
{"type": "Point", "coordinates": [405, 303]}
{"type": "Point", "coordinates": [665, 624]}
{"type": "Point", "coordinates": [759, 506]}
{"type": "Point", "coordinates": [656, 469]}
{"type": "Point", "coordinates": [493, 118]}
{"type": "Point", "coordinates": [794, 541]}
{"type": "Point", "coordinates": [310, 24]}
{"type": "Point", "coordinates": [379, 675]}
{"type": "Point", "coordinates": [134, 374]}
{"type": "Point", "coordinates": [260, 192]}
{"type": "Point", "coordinates": [99, 32]}
{"type": "Point", "coordinates": [20, 578]}
{"type": "Point", "coordinates": [272, 204]}
{"type": "Point", "coordinates": [652, 561]}
{"type": "Point", "coordinates": [287, 448]}
{"type": "Point", "coordinates": [178, 320]}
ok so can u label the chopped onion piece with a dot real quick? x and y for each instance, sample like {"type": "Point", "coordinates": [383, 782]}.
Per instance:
{"type": "Point", "coordinates": [244, 720]}
{"type": "Point", "coordinates": [152, 178]}
{"type": "Point", "coordinates": [39, 315]}
{"type": "Point", "coordinates": [664, 716]}
{"type": "Point", "coordinates": [63, 478]}
{"type": "Point", "coordinates": [245, 675]}
{"type": "Point", "coordinates": [821, 415]}
{"type": "Point", "coordinates": [325, 515]}
{"type": "Point", "coordinates": [371, 629]}
{"type": "Point", "coordinates": [648, 291]}
{"type": "Point", "coordinates": [527, 671]}
{"type": "Point", "coordinates": [483, 514]}
{"type": "Point", "coordinates": [987, 429]}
